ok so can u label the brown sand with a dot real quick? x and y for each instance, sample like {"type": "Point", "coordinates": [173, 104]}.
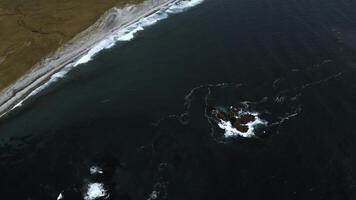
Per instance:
{"type": "Point", "coordinates": [31, 29]}
{"type": "Point", "coordinates": [112, 20]}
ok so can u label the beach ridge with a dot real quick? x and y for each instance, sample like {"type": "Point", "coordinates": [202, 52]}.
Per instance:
{"type": "Point", "coordinates": [113, 20]}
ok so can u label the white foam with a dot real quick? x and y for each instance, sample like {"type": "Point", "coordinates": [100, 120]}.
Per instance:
{"type": "Point", "coordinates": [126, 34]}
{"type": "Point", "coordinates": [129, 32]}
{"type": "Point", "coordinates": [94, 191]}
{"type": "Point", "coordinates": [55, 77]}
{"type": "Point", "coordinates": [96, 170]}
{"type": "Point", "coordinates": [230, 131]}
{"type": "Point", "coordinates": [153, 195]}
{"type": "Point", "coordinates": [180, 6]}
{"type": "Point", "coordinates": [60, 196]}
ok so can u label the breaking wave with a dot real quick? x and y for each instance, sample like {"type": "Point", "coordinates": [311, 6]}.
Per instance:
{"type": "Point", "coordinates": [129, 32]}
{"type": "Point", "coordinates": [122, 35]}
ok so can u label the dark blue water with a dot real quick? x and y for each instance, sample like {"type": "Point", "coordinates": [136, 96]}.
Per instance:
{"type": "Point", "coordinates": [140, 110]}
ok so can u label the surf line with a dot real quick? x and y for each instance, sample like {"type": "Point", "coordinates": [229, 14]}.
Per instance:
{"type": "Point", "coordinates": [124, 33]}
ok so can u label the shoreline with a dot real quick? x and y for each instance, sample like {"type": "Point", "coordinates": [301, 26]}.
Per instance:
{"type": "Point", "coordinates": [113, 20]}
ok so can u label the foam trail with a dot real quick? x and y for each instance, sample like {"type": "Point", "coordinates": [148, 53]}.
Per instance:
{"type": "Point", "coordinates": [122, 35]}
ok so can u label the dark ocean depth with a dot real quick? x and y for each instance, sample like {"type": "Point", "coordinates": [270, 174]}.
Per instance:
{"type": "Point", "coordinates": [141, 111]}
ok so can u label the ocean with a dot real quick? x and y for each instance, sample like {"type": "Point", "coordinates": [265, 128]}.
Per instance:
{"type": "Point", "coordinates": [146, 118]}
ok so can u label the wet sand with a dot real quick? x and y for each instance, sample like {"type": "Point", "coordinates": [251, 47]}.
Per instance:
{"type": "Point", "coordinates": [113, 20]}
{"type": "Point", "coordinates": [32, 30]}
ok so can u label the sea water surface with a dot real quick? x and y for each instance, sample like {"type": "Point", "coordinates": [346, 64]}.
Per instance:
{"type": "Point", "coordinates": [137, 121]}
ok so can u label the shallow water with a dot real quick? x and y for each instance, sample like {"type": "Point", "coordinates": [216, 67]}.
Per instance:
{"type": "Point", "coordinates": [141, 110]}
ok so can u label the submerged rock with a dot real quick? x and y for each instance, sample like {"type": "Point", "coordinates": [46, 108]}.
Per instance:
{"type": "Point", "coordinates": [236, 122]}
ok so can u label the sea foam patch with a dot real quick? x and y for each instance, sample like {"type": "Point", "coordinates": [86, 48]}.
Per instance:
{"type": "Point", "coordinates": [60, 196]}
{"type": "Point", "coordinates": [233, 131]}
{"type": "Point", "coordinates": [122, 35]}
{"type": "Point", "coordinates": [95, 170]}
{"type": "Point", "coordinates": [237, 123]}
{"type": "Point", "coordinates": [95, 191]}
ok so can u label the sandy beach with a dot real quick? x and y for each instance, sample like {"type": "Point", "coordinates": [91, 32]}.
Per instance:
{"type": "Point", "coordinates": [113, 20]}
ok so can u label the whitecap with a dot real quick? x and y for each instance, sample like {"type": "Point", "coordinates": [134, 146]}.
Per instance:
{"type": "Point", "coordinates": [95, 191]}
